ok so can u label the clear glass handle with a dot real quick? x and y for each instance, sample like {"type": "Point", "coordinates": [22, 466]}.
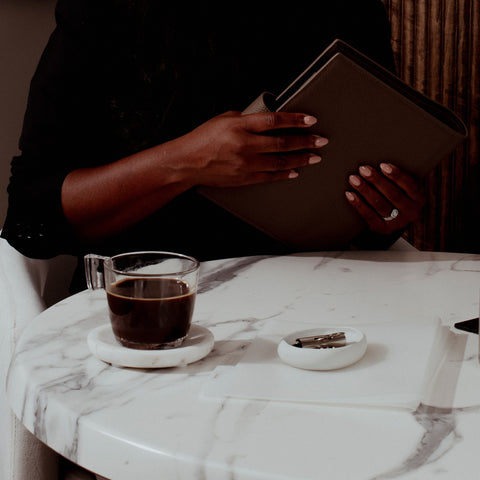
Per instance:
{"type": "Point", "coordinates": [94, 271]}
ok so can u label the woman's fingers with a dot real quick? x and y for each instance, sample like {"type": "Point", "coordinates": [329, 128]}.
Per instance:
{"type": "Point", "coordinates": [388, 199]}
{"type": "Point", "coordinates": [284, 161]}
{"type": "Point", "coordinates": [371, 195]}
{"type": "Point", "coordinates": [406, 182]}
{"type": "Point", "coordinates": [285, 143]}
{"type": "Point", "coordinates": [288, 140]}
{"type": "Point", "coordinates": [373, 219]}
{"type": "Point", "coordinates": [265, 121]}
{"type": "Point", "coordinates": [273, 141]}
{"type": "Point", "coordinates": [235, 149]}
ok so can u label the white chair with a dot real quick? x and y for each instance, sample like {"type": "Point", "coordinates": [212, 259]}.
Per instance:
{"type": "Point", "coordinates": [27, 287]}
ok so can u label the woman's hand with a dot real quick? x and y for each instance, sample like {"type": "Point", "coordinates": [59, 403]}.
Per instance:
{"type": "Point", "coordinates": [228, 150]}
{"type": "Point", "coordinates": [388, 199]}
{"type": "Point", "coordinates": [234, 149]}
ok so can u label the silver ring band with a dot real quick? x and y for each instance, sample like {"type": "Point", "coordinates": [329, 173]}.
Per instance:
{"type": "Point", "coordinates": [393, 215]}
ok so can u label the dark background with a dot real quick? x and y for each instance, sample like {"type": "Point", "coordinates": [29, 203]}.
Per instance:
{"type": "Point", "coordinates": [437, 50]}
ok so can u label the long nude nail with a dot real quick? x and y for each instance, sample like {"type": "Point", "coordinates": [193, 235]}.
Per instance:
{"type": "Point", "coordinates": [309, 120]}
{"type": "Point", "coordinates": [314, 159]}
{"type": "Point", "coordinates": [293, 174]}
{"type": "Point", "coordinates": [350, 196]}
{"type": "Point", "coordinates": [320, 142]}
{"type": "Point", "coordinates": [354, 180]}
{"type": "Point", "coordinates": [386, 168]}
{"type": "Point", "coordinates": [365, 171]}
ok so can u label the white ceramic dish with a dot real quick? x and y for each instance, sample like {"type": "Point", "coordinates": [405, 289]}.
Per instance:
{"type": "Point", "coordinates": [104, 346]}
{"type": "Point", "coordinates": [323, 358]}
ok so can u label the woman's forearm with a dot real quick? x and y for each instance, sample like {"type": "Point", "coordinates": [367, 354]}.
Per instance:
{"type": "Point", "coordinates": [228, 150]}
{"type": "Point", "coordinates": [102, 201]}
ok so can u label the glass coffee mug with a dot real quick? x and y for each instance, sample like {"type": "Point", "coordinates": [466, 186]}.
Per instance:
{"type": "Point", "coordinates": [151, 296]}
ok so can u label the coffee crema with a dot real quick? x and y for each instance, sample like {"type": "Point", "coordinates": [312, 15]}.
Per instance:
{"type": "Point", "coordinates": [147, 313]}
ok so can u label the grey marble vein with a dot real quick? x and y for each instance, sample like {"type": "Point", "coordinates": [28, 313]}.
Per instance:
{"type": "Point", "coordinates": [226, 272]}
{"type": "Point", "coordinates": [440, 438]}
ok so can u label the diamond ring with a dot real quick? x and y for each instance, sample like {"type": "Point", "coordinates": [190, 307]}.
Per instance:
{"type": "Point", "coordinates": [393, 214]}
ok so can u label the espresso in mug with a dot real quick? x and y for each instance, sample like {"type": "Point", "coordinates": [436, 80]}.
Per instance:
{"type": "Point", "coordinates": [148, 313]}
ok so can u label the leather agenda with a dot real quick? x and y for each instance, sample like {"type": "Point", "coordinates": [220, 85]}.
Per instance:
{"type": "Point", "coordinates": [369, 116]}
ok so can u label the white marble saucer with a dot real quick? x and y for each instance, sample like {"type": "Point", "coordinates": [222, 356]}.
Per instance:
{"type": "Point", "coordinates": [104, 346]}
{"type": "Point", "coordinates": [323, 358]}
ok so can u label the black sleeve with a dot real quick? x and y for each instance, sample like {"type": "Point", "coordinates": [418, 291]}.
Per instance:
{"type": "Point", "coordinates": [60, 132]}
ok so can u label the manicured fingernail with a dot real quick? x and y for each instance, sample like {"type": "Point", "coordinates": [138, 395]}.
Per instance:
{"type": "Point", "coordinates": [386, 168]}
{"type": "Point", "coordinates": [320, 141]}
{"type": "Point", "coordinates": [365, 171]}
{"type": "Point", "coordinates": [350, 196]}
{"type": "Point", "coordinates": [309, 120]}
{"type": "Point", "coordinates": [354, 180]}
{"type": "Point", "coordinates": [293, 174]}
{"type": "Point", "coordinates": [314, 159]}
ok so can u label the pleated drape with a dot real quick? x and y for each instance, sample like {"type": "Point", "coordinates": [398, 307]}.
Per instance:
{"type": "Point", "coordinates": [436, 45]}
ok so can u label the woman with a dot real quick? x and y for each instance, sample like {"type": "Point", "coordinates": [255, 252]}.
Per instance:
{"type": "Point", "coordinates": [136, 103]}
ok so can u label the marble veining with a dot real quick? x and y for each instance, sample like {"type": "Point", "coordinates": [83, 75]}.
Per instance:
{"type": "Point", "coordinates": [225, 271]}
{"type": "Point", "coordinates": [439, 438]}
{"type": "Point", "coordinates": [134, 423]}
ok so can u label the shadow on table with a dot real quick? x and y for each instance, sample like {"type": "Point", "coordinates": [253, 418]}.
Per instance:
{"type": "Point", "coordinates": [224, 353]}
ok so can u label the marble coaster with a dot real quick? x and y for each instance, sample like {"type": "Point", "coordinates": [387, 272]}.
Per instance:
{"type": "Point", "coordinates": [104, 346]}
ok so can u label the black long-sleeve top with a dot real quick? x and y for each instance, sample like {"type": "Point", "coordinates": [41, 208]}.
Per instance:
{"type": "Point", "coordinates": [119, 76]}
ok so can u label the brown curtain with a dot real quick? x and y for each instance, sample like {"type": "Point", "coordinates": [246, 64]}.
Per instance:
{"type": "Point", "coordinates": [436, 45]}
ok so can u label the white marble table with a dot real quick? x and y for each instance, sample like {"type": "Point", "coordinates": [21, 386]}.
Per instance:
{"type": "Point", "coordinates": [128, 423]}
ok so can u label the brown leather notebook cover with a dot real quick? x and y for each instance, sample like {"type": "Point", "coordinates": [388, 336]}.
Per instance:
{"type": "Point", "coordinates": [369, 116]}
